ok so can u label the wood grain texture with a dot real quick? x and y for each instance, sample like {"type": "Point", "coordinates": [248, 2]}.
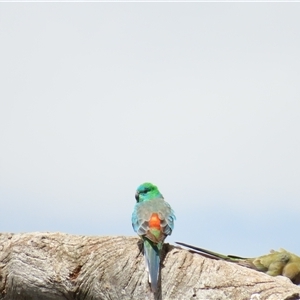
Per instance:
{"type": "Point", "coordinates": [35, 266]}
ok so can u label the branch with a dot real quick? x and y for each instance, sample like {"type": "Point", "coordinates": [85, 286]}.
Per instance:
{"type": "Point", "coordinates": [59, 266]}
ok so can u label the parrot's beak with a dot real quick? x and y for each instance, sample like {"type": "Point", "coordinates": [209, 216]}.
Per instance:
{"type": "Point", "coordinates": [137, 196]}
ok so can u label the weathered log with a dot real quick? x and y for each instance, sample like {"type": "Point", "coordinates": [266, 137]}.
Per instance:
{"type": "Point", "coordinates": [58, 266]}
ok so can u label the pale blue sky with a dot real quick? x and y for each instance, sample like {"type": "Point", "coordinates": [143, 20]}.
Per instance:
{"type": "Point", "coordinates": [202, 99]}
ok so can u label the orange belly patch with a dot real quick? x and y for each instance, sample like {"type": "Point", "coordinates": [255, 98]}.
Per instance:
{"type": "Point", "coordinates": [154, 221]}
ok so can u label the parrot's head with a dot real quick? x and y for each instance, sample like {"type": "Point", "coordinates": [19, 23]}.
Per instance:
{"type": "Point", "coordinates": [147, 191]}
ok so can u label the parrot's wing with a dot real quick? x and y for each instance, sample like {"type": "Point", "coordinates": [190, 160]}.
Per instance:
{"type": "Point", "coordinates": [142, 214]}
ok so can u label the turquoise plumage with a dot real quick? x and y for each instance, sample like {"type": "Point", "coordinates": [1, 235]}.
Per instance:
{"type": "Point", "coordinates": [153, 220]}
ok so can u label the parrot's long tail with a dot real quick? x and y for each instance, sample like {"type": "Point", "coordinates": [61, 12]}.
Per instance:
{"type": "Point", "coordinates": [231, 258]}
{"type": "Point", "coordinates": [152, 258]}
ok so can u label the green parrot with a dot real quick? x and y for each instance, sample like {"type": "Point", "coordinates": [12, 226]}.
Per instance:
{"type": "Point", "coordinates": [153, 220]}
{"type": "Point", "coordinates": [275, 263]}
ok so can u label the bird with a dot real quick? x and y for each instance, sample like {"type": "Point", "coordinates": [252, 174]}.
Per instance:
{"type": "Point", "coordinates": [281, 262]}
{"type": "Point", "coordinates": [153, 220]}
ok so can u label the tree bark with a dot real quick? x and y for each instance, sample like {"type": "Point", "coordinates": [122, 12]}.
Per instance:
{"type": "Point", "coordinates": [46, 266]}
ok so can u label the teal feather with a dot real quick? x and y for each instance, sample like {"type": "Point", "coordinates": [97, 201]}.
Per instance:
{"type": "Point", "coordinates": [152, 258]}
